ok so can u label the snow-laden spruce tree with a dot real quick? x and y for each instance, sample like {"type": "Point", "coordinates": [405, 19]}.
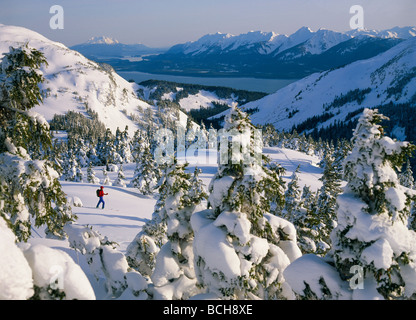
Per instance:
{"type": "Point", "coordinates": [80, 150]}
{"type": "Point", "coordinates": [79, 176]}
{"type": "Point", "coordinates": [91, 178]}
{"type": "Point", "coordinates": [299, 212]}
{"type": "Point", "coordinates": [29, 185]}
{"type": "Point", "coordinates": [141, 252]}
{"type": "Point", "coordinates": [108, 153]}
{"type": "Point", "coordinates": [121, 178]}
{"type": "Point", "coordinates": [122, 143]}
{"type": "Point", "coordinates": [406, 177]}
{"type": "Point", "coordinates": [69, 168]}
{"type": "Point", "coordinates": [146, 173]}
{"type": "Point", "coordinates": [137, 143]}
{"type": "Point", "coordinates": [277, 197]}
{"type": "Point", "coordinates": [106, 179]}
{"type": "Point", "coordinates": [373, 253]}
{"type": "Point", "coordinates": [182, 193]}
{"type": "Point", "coordinates": [240, 249]}
{"type": "Point", "coordinates": [407, 180]}
{"type": "Point", "coordinates": [307, 222]}
{"type": "Point", "coordinates": [315, 215]}
{"type": "Point", "coordinates": [293, 200]}
{"type": "Point", "coordinates": [373, 211]}
{"type": "Point", "coordinates": [326, 206]}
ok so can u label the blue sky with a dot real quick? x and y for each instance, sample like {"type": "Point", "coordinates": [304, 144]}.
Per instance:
{"type": "Point", "coordinates": [159, 23]}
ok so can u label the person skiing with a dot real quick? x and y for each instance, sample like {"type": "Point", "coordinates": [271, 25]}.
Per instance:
{"type": "Point", "coordinates": [101, 195]}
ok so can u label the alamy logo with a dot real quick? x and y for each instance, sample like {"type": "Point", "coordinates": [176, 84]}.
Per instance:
{"type": "Point", "coordinates": [357, 20]}
{"type": "Point", "coordinates": [357, 280]}
{"type": "Point", "coordinates": [57, 20]}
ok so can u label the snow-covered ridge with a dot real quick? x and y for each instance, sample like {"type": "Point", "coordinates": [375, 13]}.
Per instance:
{"type": "Point", "coordinates": [72, 82]}
{"type": "Point", "coordinates": [396, 33]}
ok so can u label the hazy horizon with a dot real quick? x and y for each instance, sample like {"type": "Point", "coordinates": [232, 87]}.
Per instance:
{"type": "Point", "coordinates": [163, 23]}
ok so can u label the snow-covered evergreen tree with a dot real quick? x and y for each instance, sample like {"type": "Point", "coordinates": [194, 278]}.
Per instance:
{"type": "Point", "coordinates": [80, 151]}
{"type": "Point", "coordinates": [372, 237]}
{"type": "Point", "coordinates": [339, 155]}
{"type": "Point", "coordinates": [108, 152]}
{"type": "Point", "coordinates": [146, 174]}
{"type": "Point", "coordinates": [197, 187]}
{"type": "Point", "coordinates": [326, 206]}
{"type": "Point", "coordinates": [91, 178]}
{"type": "Point", "coordinates": [70, 166]}
{"type": "Point", "coordinates": [293, 198]}
{"type": "Point", "coordinates": [29, 184]}
{"type": "Point", "coordinates": [277, 197]}
{"type": "Point", "coordinates": [142, 251]}
{"type": "Point", "coordinates": [241, 249]}
{"type": "Point", "coordinates": [406, 177]}
{"type": "Point", "coordinates": [308, 197]}
{"type": "Point", "coordinates": [79, 176]}
{"type": "Point", "coordinates": [181, 193]}
{"type": "Point", "coordinates": [314, 215]}
{"type": "Point", "coordinates": [375, 200]}
{"type": "Point", "coordinates": [307, 222]}
{"type": "Point", "coordinates": [124, 149]}
{"type": "Point", "coordinates": [121, 178]}
{"type": "Point", "coordinates": [92, 156]}
{"type": "Point", "coordinates": [138, 142]}
{"type": "Point", "coordinates": [106, 179]}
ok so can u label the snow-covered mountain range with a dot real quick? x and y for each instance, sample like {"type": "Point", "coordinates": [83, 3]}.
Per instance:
{"type": "Point", "coordinates": [72, 82]}
{"type": "Point", "coordinates": [388, 78]}
{"type": "Point", "coordinates": [75, 83]}
{"type": "Point", "coordinates": [314, 42]}
{"type": "Point", "coordinates": [102, 47]}
{"type": "Point", "coordinates": [268, 54]}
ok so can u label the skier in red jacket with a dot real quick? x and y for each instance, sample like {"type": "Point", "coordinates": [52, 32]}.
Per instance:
{"type": "Point", "coordinates": [101, 195]}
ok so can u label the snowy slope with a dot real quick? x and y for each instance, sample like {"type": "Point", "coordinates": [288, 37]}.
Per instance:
{"type": "Point", "coordinates": [74, 82]}
{"type": "Point", "coordinates": [388, 77]}
{"type": "Point", "coordinates": [202, 99]}
{"type": "Point", "coordinates": [323, 40]}
{"type": "Point", "coordinates": [126, 210]}
{"type": "Point", "coordinates": [191, 96]}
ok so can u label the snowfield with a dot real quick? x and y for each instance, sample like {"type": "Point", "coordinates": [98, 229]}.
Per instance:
{"type": "Point", "coordinates": [126, 210]}
{"type": "Point", "coordinates": [202, 99]}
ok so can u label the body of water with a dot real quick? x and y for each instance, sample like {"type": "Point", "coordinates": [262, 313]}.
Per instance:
{"type": "Point", "coordinates": [249, 84]}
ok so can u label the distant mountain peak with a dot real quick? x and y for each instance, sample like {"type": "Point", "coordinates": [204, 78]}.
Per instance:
{"type": "Point", "coordinates": [305, 29]}
{"type": "Point", "coordinates": [102, 40]}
